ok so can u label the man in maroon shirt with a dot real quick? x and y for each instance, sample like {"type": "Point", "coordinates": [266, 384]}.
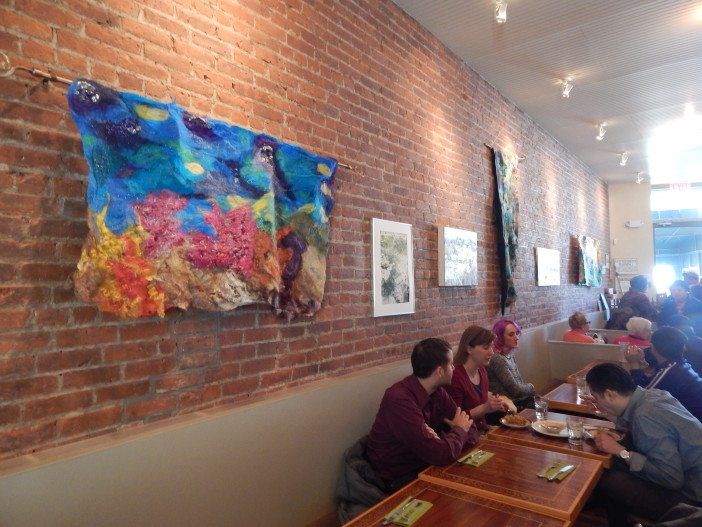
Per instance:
{"type": "Point", "coordinates": [418, 424]}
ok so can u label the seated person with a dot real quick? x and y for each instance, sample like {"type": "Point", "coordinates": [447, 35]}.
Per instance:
{"type": "Point", "coordinates": [620, 316]}
{"type": "Point", "coordinates": [636, 300]}
{"type": "Point", "coordinates": [681, 303]}
{"type": "Point", "coordinates": [639, 332]}
{"type": "Point", "coordinates": [670, 371]}
{"type": "Point", "coordinates": [579, 324]}
{"type": "Point", "coordinates": [469, 385]}
{"type": "Point", "coordinates": [693, 346]}
{"type": "Point", "coordinates": [418, 424]}
{"type": "Point", "coordinates": [503, 372]}
{"type": "Point", "coordinates": [663, 465]}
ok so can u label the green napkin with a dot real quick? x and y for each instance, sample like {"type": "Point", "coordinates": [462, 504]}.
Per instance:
{"type": "Point", "coordinates": [406, 513]}
{"type": "Point", "coordinates": [476, 458]}
{"type": "Point", "coordinates": [553, 468]}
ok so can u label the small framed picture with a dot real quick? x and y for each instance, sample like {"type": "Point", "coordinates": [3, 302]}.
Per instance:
{"type": "Point", "coordinates": [548, 267]}
{"type": "Point", "coordinates": [393, 268]}
{"type": "Point", "coordinates": [458, 257]}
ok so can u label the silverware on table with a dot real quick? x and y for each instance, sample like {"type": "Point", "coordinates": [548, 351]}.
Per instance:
{"type": "Point", "coordinates": [564, 468]}
{"type": "Point", "coordinates": [396, 514]}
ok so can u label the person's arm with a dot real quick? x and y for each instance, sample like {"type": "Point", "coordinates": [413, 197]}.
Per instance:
{"type": "Point", "coordinates": [656, 456]}
{"type": "Point", "coordinates": [410, 429]}
{"type": "Point", "coordinates": [514, 388]}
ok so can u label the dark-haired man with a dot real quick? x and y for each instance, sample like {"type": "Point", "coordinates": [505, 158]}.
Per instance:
{"type": "Point", "coordinates": [418, 424]}
{"type": "Point", "coordinates": [663, 467]}
{"type": "Point", "coordinates": [671, 372]}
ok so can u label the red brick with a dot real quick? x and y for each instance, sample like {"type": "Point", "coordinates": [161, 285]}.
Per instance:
{"type": "Point", "coordinates": [176, 381]}
{"type": "Point", "coordinates": [24, 438]}
{"type": "Point", "coordinates": [257, 365]}
{"type": "Point", "coordinates": [20, 366]}
{"type": "Point", "coordinates": [57, 405]}
{"type": "Point", "coordinates": [121, 391]}
{"type": "Point", "coordinates": [147, 368]}
{"type": "Point", "coordinates": [197, 397]}
{"type": "Point", "coordinates": [92, 376]}
{"type": "Point", "coordinates": [131, 351]}
{"type": "Point", "coordinates": [143, 331]}
{"type": "Point", "coordinates": [158, 405]}
{"type": "Point", "coordinates": [239, 386]}
{"type": "Point", "coordinates": [28, 387]}
{"type": "Point", "coordinates": [9, 413]}
{"type": "Point", "coordinates": [13, 319]}
{"type": "Point", "coordinates": [23, 342]}
{"type": "Point", "coordinates": [197, 360]}
{"type": "Point", "coordinates": [70, 338]}
{"type": "Point", "coordinates": [93, 421]}
{"type": "Point", "coordinates": [64, 360]}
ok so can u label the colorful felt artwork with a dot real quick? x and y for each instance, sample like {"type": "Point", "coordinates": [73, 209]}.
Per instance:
{"type": "Point", "coordinates": [506, 211]}
{"type": "Point", "coordinates": [186, 211]}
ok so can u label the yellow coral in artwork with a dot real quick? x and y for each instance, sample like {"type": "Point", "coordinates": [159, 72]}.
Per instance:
{"type": "Point", "coordinates": [125, 279]}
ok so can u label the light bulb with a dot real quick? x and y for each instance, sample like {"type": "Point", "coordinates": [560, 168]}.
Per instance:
{"type": "Point", "coordinates": [501, 12]}
{"type": "Point", "coordinates": [623, 158]}
{"type": "Point", "coordinates": [567, 87]}
{"type": "Point", "coordinates": [602, 132]}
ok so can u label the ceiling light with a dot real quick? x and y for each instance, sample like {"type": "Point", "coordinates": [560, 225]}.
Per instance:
{"type": "Point", "coordinates": [623, 158]}
{"type": "Point", "coordinates": [639, 178]}
{"type": "Point", "coordinates": [567, 86]}
{"type": "Point", "coordinates": [501, 12]}
{"type": "Point", "coordinates": [602, 132]}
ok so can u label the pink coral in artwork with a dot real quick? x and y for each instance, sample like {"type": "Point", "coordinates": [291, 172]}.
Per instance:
{"type": "Point", "coordinates": [233, 246]}
{"type": "Point", "coordinates": [157, 216]}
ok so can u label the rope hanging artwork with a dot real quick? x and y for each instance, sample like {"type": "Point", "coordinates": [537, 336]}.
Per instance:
{"type": "Point", "coordinates": [188, 211]}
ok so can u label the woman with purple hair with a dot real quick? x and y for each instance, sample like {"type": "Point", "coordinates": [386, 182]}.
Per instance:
{"type": "Point", "coordinates": [503, 372]}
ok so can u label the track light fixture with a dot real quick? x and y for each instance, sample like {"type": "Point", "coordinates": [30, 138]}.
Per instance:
{"type": "Point", "coordinates": [639, 178]}
{"type": "Point", "coordinates": [567, 87]}
{"type": "Point", "coordinates": [501, 12]}
{"type": "Point", "coordinates": [602, 132]}
{"type": "Point", "coordinates": [623, 158]}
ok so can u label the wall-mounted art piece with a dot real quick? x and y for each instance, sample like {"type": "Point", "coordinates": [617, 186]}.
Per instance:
{"type": "Point", "coordinates": [458, 257]}
{"type": "Point", "coordinates": [548, 267]}
{"type": "Point", "coordinates": [626, 265]}
{"type": "Point", "coordinates": [505, 216]}
{"type": "Point", "coordinates": [589, 270]}
{"type": "Point", "coordinates": [188, 211]}
{"type": "Point", "coordinates": [393, 268]}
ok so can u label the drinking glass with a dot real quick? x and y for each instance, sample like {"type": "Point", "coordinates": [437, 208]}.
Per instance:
{"type": "Point", "coordinates": [581, 386]}
{"type": "Point", "coordinates": [541, 408]}
{"type": "Point", "coordinates": [575, 430]}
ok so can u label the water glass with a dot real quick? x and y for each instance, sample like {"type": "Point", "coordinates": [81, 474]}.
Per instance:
{"type": "Point", "coordinates": [541, 408]}
{"type": "Point", "coordinates": [575, 430]}
{"type": "Point", "coordinates": [581, 386]}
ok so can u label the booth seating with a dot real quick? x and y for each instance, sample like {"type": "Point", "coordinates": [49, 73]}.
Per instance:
{"type": "Point", "coordinates": [568, 357]}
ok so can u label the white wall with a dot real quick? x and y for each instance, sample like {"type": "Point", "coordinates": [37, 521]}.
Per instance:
{"type": "Point", "coordinates": [630, 201]}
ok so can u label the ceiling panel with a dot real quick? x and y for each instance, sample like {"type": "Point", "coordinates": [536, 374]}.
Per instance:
{"type": "Point", "coordinates": [634, 63]}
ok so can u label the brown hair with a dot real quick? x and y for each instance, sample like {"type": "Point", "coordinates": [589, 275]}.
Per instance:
{"type": "Point", "coordinates": [472, 336]}
{"type": "Point", "coordinates": [577, 320]}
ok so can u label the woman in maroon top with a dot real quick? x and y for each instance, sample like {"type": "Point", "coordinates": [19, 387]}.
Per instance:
{"type": "Point", "coordinates": [469, 385]}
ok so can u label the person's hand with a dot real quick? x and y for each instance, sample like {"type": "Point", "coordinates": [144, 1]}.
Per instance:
{"type": "Point", "coordinates": [635, 357]}
{"type": "Point", "coordinates": [461, 419]}
{"type": "Point", "coordinates": [495, 404]}
{"type": "Point", "coordinates": [606, 443]}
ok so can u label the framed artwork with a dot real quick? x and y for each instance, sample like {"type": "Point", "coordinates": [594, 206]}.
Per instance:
{"type": "Point", "coordinates": [393, 268]}
{"type": "Point", "coordinates": [626, 265]}
{"type": "Point", "coordinates": [458, 257]}
{"type": "Point", "coordinates": [548, 267]}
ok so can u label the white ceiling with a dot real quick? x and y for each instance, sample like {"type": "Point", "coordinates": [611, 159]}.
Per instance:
{"type": "Point", "coordinates": [634, 63]}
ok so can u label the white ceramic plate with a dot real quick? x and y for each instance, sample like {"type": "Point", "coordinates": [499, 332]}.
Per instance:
{"type": "Point", "coordinates": [548, 428]}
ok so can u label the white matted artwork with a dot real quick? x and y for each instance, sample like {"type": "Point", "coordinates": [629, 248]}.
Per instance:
{"type": "Point", "coordinates": [393, 268]}
{"type": "Point", "coordinates": [548, 267]}
{"type": "Point", "coordinates": [626, 265]}
{"type": "Point", "coordinates": [458, 257]}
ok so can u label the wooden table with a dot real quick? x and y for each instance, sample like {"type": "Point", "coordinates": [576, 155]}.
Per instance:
{"type": "Point", "coordinates": [583, 372]}
{"type": "Point", "coordinates": [528, 437]}
{"type": "Point", "coordinates": [565, 398]}
{"type": "Point", "coordinates": [510, 478]}
{"type": "Point", "coordinates": [454, 508]}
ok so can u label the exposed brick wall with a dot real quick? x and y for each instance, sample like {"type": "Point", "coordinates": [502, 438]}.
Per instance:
{"type": "Point", "coordinates": [357, 80]}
